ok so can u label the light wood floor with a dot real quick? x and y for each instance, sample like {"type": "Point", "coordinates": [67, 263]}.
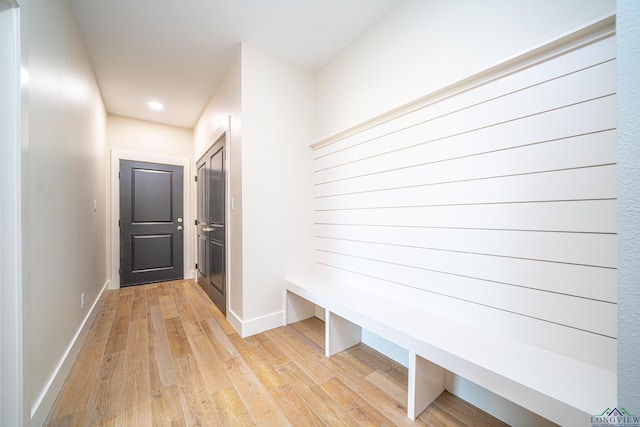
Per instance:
{"type": "Point", "coordinates": [163, 355]}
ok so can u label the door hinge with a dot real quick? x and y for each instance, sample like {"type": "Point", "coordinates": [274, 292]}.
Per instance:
{"type": "Point", "coordinates": [196, 266]}
{"type": "Point", "coordinates": [118, 175]}
{"type": "Point", "coordinates": [118, 223]}
{"type": "Point", "coordinates": [195, 178]}
{"type": "Point", "coordinates": [196, 222]}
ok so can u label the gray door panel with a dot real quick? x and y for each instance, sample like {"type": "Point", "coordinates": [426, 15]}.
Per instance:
{"type": "Point", "coordinates": [211, 184]}
{"type": "Point", "coordinates": [151, 243]}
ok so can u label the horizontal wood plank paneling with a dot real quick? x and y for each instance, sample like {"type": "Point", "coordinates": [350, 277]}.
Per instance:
{"type": "Point", "coordinates": [595, 283]}
{"type": "Point", "coordinates": [497, 204]}
{"type": "Point", "coordinates": [430, 108]}
{"type": "Point", "coordinates": [594, 182]}
{"type": "Point", "coordinates": [571, 216]}
{"type": "Point", "coordinates": [585, 346]}
{"type": "Point", "coordinates": [595, 249]}
{"type": "Point", "coordinates": [581, 151]}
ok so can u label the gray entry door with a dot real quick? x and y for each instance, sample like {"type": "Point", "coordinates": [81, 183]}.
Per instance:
{"type": "Point", "coordinates": [211, 183]}
{"type": "Point", "coordinates": [151, 223]}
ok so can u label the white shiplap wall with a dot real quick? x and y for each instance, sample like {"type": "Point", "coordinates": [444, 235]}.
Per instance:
{"type": "Point", "coordinates": [493, 202]}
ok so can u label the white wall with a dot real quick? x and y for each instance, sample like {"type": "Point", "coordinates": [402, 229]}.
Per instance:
{"type": "Point", "coordinates": [277, 124]}
{"type": "Point", "coordinates": [221, 114]}
{"type": "Point", "coordinates": [629, 205]}
{"type": "Point", "coordinates": [125, 133]}
{"type": "Point", "coordinates": [423, 45]}
{"type": "Point", "coordinates": [64, 250]}
{"type": "Point", "coordinates": [269, 107]}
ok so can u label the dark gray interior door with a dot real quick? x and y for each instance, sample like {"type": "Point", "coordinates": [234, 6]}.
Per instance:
{"type": "Point", "coordinates": [151, 223]}
{"type": "Point", "coordinates": [211, 183]}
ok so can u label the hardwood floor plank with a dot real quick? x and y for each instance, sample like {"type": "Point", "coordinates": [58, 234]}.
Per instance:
{"type": "Point", "coordinates": [117, 340]}
{"type": "Point", "coordinates": [230, 409]}
{"type": "Point", "coordinates": [434, 416]}
{"type": "Point", "coordinates": [356, 406]}
{"type": "Point", "coordinates": [136, 409]}
{"type": "Point", "coordinates": [200, 305]}
{"type": "Point", "coordinates": [185, 310]}
{"type": "Point", "coordinates": [166, 409]}
{"type": "Point", "coordinates": [105, 400]}
{"type": "Point", "coordinates": [71, 420]}
{"type": "Point", "coordinates": [393, 409]}
{"type": "Point", "coordinates": [220, 339]}
{"type": "Point", "coordinates": [164, 355]}
{"type": "Point", "coordinates": [196, 403]}
{"type": "Point", "coordinates": [312, 328]}
{"type": "Point", "coordinates": [380, 362]}
{"type": "Point", "coordinates": [482, 419]}
{"type": "Point", "coordinates": [262, 369]}
{"type": "Point", "coordinates": [462, 410]}
{"type": "Point", "coordinates": [294, 407]}
{"type": "Point", "coordinates": [394, 389]}
{"type": "Point", "coordinates": [75, 393]}
{"type": "Point", "coordinates": [139, 305]}
{"type": "Point", "coordinates": [261, 406]}
{"type": "Point", "coordinates": [304, 352]}
{"type": "Point", "coordinates": [327, 409]}
{"type": "Point", "coordinates": [106, 310]}
{"type": "Point", "coordinates": [211, 367]}
{"type": "Point", "coordinates": [168, 305]}
{"type": "Point", "coordinates": [178, 341]}
{"type": "Point", "coordinates": [161, 369]}
{"type": "Point", "coordinates": [268, 349]}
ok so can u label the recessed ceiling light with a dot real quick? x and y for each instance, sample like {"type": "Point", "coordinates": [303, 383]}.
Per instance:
{"type": "Point", "coordinates": [155, 105]}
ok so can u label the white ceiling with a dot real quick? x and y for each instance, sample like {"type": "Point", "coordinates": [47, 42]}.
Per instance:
{"type": "Point", "coordinates": [176, 52]}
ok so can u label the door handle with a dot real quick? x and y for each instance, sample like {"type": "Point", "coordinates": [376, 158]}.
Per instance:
{"type": "Point", "coordinates": [179, 228]}
{"type": "Point", "coordinates": [207, 229]}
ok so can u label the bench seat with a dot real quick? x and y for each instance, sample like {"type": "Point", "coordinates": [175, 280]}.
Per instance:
{"type": "Point", "coordinates": [563, 390]}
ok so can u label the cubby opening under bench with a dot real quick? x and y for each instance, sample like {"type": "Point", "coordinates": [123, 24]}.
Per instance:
{"type": "Point", "coordinates": [554, 386]}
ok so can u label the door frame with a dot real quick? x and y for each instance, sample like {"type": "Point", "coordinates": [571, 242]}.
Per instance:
{"type": "Point", "coordinates": [224, 137]}
{"type": "Point", "coordinates": [185, 162]}
{"type": "Point", "coordinates": [219, 132]}
{"type": "Point", "coordinates": [13, 69]}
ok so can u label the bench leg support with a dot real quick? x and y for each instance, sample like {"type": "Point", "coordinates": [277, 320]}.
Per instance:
{"type": "Point", "coordinates": [426, 383]}
{"type": "Point", "coordinates": [340, 334]}
{"type": "Point", "coordinates": [298, 308]}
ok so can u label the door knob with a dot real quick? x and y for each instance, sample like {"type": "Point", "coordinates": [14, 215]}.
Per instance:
{"type": "Point", "coordinates": [180, 228]}
{"type": "Point", "coordinates": [207, 229]}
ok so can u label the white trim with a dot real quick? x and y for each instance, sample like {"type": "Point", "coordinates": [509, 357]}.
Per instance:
{"type": "Point", "coordinates": [227, 211]}
{"type": "Point", "coordinates": [572, 40]}
{"type": "Point", "coordinates": [43, 404]}
{"type": "Point", "coordinates": [234, 320]}
{"type": "Point", "coordinates": [11, 274]}
{"type": "Point", "coordinates": [246, 328]}
{"type": "Point", "coordinates": [185, 162]}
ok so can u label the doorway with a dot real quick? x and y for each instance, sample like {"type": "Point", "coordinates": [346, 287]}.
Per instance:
{"type": "Point", "coordinates": [211, 224]}
{"type": "Point", "coordinates": [151, 222]}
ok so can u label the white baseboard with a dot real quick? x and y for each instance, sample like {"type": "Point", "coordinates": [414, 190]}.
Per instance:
{"type": "Point", "coordinates": [246, 328]}
{"type": "Point", "coordinates": [43, 405]}
{"type": "Point", "coordinates": [235, 321]}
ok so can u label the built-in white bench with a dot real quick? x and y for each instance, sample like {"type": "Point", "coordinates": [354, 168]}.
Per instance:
{"type": "Point", "coordinates": [564, 390]}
